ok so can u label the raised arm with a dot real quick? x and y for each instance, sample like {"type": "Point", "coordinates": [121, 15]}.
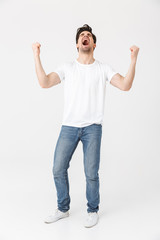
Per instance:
{"type": "Point", "coordinates": [125, 83]}
{"type": "Point", "coordinates": [45, 81]}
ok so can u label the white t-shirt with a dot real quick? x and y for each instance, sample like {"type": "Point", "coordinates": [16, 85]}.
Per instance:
{"type": "Point", "coordinates": [84, 91]}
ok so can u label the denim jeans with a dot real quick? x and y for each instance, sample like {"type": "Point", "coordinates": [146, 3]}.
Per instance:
{"type": "Point", "coordinates": [68, 139]}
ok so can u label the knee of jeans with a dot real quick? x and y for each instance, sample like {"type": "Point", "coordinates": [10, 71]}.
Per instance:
{"type": "Point", "coordinates": [58, 171]}
{"type": "Point", "coordinates": [55, 171]}
{"type": "Point", "coordinates": [92, 175]}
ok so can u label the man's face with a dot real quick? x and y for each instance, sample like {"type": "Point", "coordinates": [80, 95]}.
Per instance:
{"type": "Point", "coordinates": [85, 42]}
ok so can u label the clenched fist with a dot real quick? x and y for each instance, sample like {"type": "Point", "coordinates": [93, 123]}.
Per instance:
{"type": "Point", "coordinates": [36, 48]}
{"type": "Point", "coordinates": [134, 52]}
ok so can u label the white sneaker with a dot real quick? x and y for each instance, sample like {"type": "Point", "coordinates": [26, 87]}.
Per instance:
{"type": "Point", "coordinates": [58, 215]}
{"type": "Point", "coordinates": [91, 219]}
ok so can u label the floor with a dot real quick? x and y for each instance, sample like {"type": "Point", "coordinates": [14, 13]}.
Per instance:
{"type": "Point", "coordinates": [22, 217]}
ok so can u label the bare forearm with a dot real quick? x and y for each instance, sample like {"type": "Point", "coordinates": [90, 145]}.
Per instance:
{"type": "Point", "coordinates": [41, 75]}
{"type": "Point", "coordinates": [128, 79]}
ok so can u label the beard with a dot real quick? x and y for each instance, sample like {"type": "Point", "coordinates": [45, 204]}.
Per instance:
{"type": "Point", "coordinates": [85, 50]}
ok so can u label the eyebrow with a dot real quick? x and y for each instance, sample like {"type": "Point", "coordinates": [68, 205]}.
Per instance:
{"type": "Point", "coordinates": [87, 33]}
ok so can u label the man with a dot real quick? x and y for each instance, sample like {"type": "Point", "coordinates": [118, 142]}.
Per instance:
{"type": "Point", "coordinates": [84, 94]}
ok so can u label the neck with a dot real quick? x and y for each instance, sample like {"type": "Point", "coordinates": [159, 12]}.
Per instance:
{"type": "Point", "coordinates": [85, 58]}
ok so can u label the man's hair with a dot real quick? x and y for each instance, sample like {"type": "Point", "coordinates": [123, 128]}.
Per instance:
{"type": "Point", "coordinates": [85, 27]}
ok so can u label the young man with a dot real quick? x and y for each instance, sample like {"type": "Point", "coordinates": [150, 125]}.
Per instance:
{"type": "Point", "coordinates": [84, 88]}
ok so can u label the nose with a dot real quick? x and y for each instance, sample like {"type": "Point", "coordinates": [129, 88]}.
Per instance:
{"type": "Point", "coordinates": [85, 36]}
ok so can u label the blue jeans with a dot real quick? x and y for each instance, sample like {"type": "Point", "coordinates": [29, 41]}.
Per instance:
{"type": "Point", "coordinates": [68, 140]}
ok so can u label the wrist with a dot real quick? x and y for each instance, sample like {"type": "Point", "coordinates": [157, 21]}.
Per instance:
{"type": "Point", "coordinates": [36, 56]}
{"type": "Point", "coordinates": [133, 60]}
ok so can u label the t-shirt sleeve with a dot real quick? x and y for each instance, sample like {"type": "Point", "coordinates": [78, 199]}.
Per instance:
{"type": "Point", "coordinates": [60, 70]}
{"type": "Point", "coordinates": [109, 72]}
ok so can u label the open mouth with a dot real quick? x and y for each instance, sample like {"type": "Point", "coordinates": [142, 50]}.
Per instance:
{"type": "Point", "coordinates": [85, 42]}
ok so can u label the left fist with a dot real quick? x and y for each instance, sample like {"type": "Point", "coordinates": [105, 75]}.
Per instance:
{"type": "Point", "coordinates": [134, 52]}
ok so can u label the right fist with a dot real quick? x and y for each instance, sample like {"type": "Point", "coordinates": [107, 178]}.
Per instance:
{"type": "Point", "coordinates": [36, 48]}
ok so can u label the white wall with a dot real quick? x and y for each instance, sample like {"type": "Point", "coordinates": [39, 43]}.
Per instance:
{"type": "Point", "coordinates": [31, 116]}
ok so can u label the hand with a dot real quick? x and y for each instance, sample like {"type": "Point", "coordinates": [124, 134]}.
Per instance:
{"type": "Point", "coordinates": [134, 52]}
{"type": "Point", "coordinates": [36, 48]}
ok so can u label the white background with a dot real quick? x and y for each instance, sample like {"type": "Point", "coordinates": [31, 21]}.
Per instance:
{"type": "Point", "coordinates": [31, 118]}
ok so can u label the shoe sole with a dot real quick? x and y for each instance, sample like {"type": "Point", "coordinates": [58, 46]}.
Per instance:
{"type": "Point", "coordinates": [90, 226]}
{"type": "Point", "coordinates": [56, 220]}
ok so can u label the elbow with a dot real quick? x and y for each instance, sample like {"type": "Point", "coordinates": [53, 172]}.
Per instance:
{"type": "Point", "coordinates": [126, 88]}
{"type": "Point", "coordinates": [44, 82]}
{"type": "Point", "coordinates": [42, 86]}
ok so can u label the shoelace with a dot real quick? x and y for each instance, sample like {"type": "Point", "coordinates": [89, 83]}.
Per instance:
{"type": "Point", "coordinates": [90, 215]}
{"type": "Point", "coordinates": [57, 210]}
